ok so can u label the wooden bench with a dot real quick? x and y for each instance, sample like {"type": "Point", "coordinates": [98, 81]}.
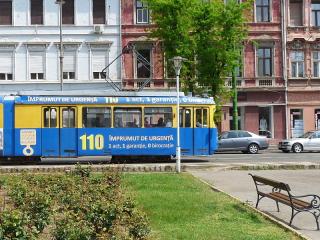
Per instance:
{"type": "Point", "coordinates": [281, 193]}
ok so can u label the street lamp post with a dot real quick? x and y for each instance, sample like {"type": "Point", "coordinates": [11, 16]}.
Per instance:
{"type": "Point", "coordinates": [60, 2]}
{"type": "Point", "coordinates": [177, 61]}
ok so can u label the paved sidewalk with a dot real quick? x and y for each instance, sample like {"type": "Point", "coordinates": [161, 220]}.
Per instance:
{"type": "Point", "coordinates": [240, 185]}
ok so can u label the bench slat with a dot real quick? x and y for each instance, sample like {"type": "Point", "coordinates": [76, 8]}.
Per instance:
{"type": "Point", "coordinates": [267, 181]}
{"type": "Point", "coordinates": [296, 203]}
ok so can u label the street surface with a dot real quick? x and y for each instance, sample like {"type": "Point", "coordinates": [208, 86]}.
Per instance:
{"type": "Point", "coordinates": [273, 156]}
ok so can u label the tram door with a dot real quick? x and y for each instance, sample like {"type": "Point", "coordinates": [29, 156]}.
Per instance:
{"type": "Point", "coordinates": [59, 135]}
{"type": "Point", "coordinates": [201, 131]}
{"type": "Point", "coordinates": [186, 131]}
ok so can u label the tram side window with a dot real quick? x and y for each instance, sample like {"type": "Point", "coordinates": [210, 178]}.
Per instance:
{"type": "Point", "coordinates": [158, 117]}
{"type": "Point", "coordinates": [96, 117]}
{"type": "Point", "coordinates": [127, 117]}
{"type": "Point", "coordinates": [50, 117]}
{"type": "Point", "coordinates": [202, 118]}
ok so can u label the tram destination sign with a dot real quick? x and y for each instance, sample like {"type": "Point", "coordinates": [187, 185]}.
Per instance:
{"type": "Point", "coordinates": [110, 100]}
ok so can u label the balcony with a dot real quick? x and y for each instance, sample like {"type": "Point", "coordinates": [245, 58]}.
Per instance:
{"type": "Point", "coordinates": [239, 82]}
{"type": "Point", "coordinates": [153, 84]}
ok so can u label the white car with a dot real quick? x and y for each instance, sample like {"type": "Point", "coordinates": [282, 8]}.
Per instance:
{"type": "Point", "coordinates": [310, 141]}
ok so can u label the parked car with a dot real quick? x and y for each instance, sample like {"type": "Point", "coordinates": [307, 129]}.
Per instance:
{"type": "Point", "coordinates": [239, 140]}
{"type": "Point", "coordinates": [310, 141]}
{"type": "Point", "coordinates": [266, 133]}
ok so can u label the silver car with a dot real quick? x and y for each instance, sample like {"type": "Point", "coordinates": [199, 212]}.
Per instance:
{"type": "Point", "coordinates": [310, 141]}
{"type": "Point", "coordinates": [239, 140]}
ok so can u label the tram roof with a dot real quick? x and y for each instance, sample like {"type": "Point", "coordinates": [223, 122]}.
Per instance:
{"type": "Point", "coordinates": [99, 97]}
{"type": "Point", "coordinates": [101, 93]}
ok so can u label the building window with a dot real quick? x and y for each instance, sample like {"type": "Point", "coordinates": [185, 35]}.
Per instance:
{"type": "Point", "coordinates": [6, 12]}
{"type": "Point", "coordinates": [99, 62]}
{"type": "Point", "coordinates": [169, 69]}
{"type": "Point", "coordinates": [36, 65]}
{"type": "Point", "coordinates": [142, 12]}
{"type": "Point", "coordinates": [316, 64]}
{"type": "Point", "coordinates": [297, 64]}
{"type": "Point", "coordinates": [6, 66]}
{"type": "Point", "coordinates": [143, 66]}
{"type": "Point", "coordinates": [296, 122]}
{"type": "Point", "coordinates": [296, 7]}
{"type": "Point", "coordinates": [36, 11]}
{"type": "Point", "coordinates": [263, 10]}
{"type": "Point", "coordinates": [315, 12]}
{"type": "Point", "coordinates": [99, 11]}
{"type": "Point", "coordinates": [69, 65]}
{"type": "Point", "coordinates": [264, 61]}
{"type": "Point", "coordinates": [68, 12]}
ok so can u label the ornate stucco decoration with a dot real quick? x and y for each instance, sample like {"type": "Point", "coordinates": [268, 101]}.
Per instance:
{"type": "Point", "coordinates": [316, 45]}
{"type": "Point", "coordinates": [297, 45]}
{"type": "Point", "coordinates": [99, 46]}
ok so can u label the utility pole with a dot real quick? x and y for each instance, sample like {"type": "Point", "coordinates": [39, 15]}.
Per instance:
{"type": "Point", "coordinates": [234, 99]}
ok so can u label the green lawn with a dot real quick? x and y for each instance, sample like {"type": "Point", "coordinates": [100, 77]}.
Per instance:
{"type": "Point", "coordinates": [181, 207]}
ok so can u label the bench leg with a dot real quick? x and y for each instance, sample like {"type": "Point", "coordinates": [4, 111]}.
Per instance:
{"type": "Point", "coordinates": [293, 214]}
{"type": "Point", "coordinates": [316, 216]}
{"type": "Point", "coordinates": [277, 206]}
{"type": "Point", "coordinates": [258, 200]}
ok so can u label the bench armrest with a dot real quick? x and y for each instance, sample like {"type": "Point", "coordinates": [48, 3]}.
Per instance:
{"type": "Point", "coordinates": [313, 199]}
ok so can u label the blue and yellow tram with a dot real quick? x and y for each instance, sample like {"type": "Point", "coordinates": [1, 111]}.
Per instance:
{"type": "Point", "coordinates": [124, 125]}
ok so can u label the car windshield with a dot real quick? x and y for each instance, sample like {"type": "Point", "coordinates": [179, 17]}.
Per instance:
{"type": "Point", "coordinates": [306, 135]}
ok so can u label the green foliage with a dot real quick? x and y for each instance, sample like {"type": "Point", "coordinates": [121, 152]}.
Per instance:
{"type": "Point", "coordinates": [209, 34]}
{"type": "Point", "coordinates": [73, 206]}
{"type": "Point", "coordinates": [12, 226]}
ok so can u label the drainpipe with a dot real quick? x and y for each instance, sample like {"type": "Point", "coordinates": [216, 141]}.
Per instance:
{"type": "Point", "coordinates": [284, 59]}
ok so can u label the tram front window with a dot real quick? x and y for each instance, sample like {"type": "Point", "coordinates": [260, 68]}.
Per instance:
{"type": "Point", "coordinates": [158, 117]}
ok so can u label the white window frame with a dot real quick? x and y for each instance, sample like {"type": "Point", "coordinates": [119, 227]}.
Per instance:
{"type": "Point", "coordinates": [12, 66]}
{"type": "Point", "coordinates": [144, 8]}
{"type": "Point", "coordinates": [93, 52]}
{"type": "Point", "coordinates": [74, 54]}
{"type": "Point", "coordinates": [316, 61]}
{"type": "Point", "coordinates": [42, 54]}
{"type": "Point", "coordinates": [311, 14]}
{"type": "Point", "coordinates": [298, 62]}
{"type": "Point", "coordinates": [9, 49]}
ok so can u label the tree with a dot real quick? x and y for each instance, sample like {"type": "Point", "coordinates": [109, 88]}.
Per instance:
{"type": "Point", "coordinates": [209, 34]}
{"type": "Point", "coordinates": [173, 19]}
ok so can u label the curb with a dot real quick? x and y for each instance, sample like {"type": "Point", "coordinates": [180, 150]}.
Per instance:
{"type": "Point", "coordinates": [265, 215]}
{"type": "Point", "coordinates": [94, 168]}
{"type": "Point", "coordinates": [160, 167]}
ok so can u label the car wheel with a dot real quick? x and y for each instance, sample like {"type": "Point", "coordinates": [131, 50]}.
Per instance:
{"type": "Point", "coordinates": [253, 148]}
{"type": "Point", "coordinates": [297, 148]}
{"type": "Point", "coordinates": [285, 151]}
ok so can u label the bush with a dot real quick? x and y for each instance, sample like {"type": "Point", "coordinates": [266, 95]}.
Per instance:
{"type": "Point", "coordinates": [77, 205]}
